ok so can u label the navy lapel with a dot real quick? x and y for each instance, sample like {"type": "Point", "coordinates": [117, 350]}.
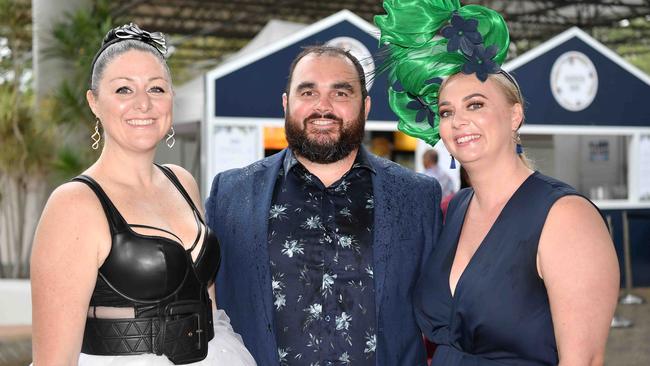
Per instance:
{"type": "Point", "coordinates": [382, 229]}
{"type": "Point", "coordinates": [264, 183]}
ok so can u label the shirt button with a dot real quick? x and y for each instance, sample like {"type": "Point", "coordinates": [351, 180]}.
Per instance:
{"type": "Point", "coordinates": [327, 318]}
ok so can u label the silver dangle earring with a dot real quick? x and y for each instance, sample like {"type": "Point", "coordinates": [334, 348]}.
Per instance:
{"type": "Point", "coordinates": [171, 140]}
{"type": "Point", "coordinates": [96, 137]}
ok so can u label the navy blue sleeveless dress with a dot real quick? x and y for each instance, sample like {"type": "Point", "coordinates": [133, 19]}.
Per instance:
{"type": "Point", "coordinates": [500, 313]}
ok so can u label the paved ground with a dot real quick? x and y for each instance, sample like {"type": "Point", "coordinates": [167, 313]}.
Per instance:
{"type": "Point", "coordinates": [625, 346]}
{"type": "Point", "coordinates": [631, 346]}
{"type": "Point", "coordinates": [15, 345]}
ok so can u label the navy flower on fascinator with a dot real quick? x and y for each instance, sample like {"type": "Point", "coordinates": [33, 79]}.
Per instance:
{"type": "Point", "coordinates": [422, 109]}
{"type": "Point", "coordinates": [417, 104]}
{"type": "Point", "coordinates": [481, 62]}
{"type": "Point", "coordinates": [462, 34]}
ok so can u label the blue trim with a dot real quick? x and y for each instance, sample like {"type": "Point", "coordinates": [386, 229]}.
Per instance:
{"type": "Point", "coordinates": [620, 101]}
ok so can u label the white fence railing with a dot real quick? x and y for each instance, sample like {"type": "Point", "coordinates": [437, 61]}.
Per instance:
{"type": "Point", "coordinates": [16, 302]}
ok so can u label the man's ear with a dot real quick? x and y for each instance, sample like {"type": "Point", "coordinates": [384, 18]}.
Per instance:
{"type": "Point", "coordinates": [367, 103]}
{"type": "Point", "coordinates": [284, 103]}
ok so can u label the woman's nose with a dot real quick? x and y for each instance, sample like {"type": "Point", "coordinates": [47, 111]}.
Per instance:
{"type": "Point", "coordinates": [459, 119]}
{"type": "Point", "coordinates": [143, 101]}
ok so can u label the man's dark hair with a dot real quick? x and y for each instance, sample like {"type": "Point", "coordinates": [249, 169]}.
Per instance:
{"type": "Point", "coordinates": [329, 51]}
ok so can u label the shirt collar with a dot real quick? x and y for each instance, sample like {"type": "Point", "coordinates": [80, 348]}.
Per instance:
{"type": "Point", "coordinates": [360, 161]}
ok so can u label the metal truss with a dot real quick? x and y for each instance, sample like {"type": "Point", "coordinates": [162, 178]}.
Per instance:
{"type": "Point", "coordinates": [206, 31]}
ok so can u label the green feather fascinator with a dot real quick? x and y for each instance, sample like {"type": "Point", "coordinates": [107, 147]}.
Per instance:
{"type": "Point", "coordinates": [429, 40]}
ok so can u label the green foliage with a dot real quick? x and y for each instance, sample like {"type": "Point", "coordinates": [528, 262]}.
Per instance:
{"type": "Point", "coordinates": [42, 140]}
{"type": "Point", "coordinates": [631, 41]}
{"type": "Point", "coordinates": [25, 140]}
{"type": "Point", "coordinates": [79, 34]}
{"type": "Point", "coordinates": [68, 163]}
{"type": "Point", "coordinates": [15, 26]}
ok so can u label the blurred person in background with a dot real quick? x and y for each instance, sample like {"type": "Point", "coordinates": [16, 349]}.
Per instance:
{"type": "Point", "coordinates": [432, 169]}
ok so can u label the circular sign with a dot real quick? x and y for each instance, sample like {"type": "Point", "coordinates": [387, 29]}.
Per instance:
{"type": "Point", "coordinates": [358, 50]}
{"type": "Point", "coordinates": [574, 81]}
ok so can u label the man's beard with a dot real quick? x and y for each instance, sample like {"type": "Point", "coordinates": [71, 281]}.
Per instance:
{"type": "Point", "coordinates": [320, 147]}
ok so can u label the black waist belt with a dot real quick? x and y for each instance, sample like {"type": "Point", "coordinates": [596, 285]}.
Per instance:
{"type": "Point", "coordinates": [182, 334]}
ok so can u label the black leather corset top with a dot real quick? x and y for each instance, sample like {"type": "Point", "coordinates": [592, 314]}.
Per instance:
{"type": "Point", "coordinates": [145, 270]}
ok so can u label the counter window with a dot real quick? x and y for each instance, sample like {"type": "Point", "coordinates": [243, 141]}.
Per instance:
{"type": "Point", "coordinates": [596, 165]}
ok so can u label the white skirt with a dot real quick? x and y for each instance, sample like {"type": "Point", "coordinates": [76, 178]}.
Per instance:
{"type": "Point", "coordinates": [225, 349]}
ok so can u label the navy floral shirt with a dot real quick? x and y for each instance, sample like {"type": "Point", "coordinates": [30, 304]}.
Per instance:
{"type": "Point", "coordinates": [320, 247]}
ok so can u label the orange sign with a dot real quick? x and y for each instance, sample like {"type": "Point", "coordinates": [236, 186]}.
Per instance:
{"type": "Point", "coordinates": [274, 138]}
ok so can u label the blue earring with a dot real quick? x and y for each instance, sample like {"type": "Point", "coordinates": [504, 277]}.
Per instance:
{"type": "Point", "coordinates": [453, 162]}
{"type": "Point", "coordinates": [519, 149]}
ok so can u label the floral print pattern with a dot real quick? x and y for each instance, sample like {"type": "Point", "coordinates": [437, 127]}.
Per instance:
{"type": "Point", "coordinates": [320, 247]}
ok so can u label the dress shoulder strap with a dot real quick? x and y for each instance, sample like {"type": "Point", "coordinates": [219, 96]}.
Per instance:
{"type": "Point", "coordinates": [553, 189]}
{"type": "Point", "coordinates": [177, 183]}
{"type": "Point", "coordinates": [116, 222]}
{"type": "Point", "coordinates": [460, 199]}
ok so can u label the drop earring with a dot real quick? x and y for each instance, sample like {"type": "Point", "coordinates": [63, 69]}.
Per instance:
{"type": "Point", "coordinates": [171, 140]}
{"type": "Point", "coordinates": [519, 149]}
{"type": "Point", "coordinates": [453, 162]}
{"type": "Point", "coordinates": [96, 137]}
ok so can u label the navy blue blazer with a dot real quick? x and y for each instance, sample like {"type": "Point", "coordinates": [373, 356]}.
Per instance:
{"type": "Point", "coordinates": [407, 223]}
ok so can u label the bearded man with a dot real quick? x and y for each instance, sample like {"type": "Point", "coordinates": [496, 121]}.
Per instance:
{"type": "Point", "coordinates": [322, 243]}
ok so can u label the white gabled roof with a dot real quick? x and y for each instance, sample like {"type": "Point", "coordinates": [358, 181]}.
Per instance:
{"type": "Point", "coordinates": [272, 32]}
{"type": "Point", "coordinates": [567, 35]}
{"type": "Point", "coordinates": [250, 57]}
